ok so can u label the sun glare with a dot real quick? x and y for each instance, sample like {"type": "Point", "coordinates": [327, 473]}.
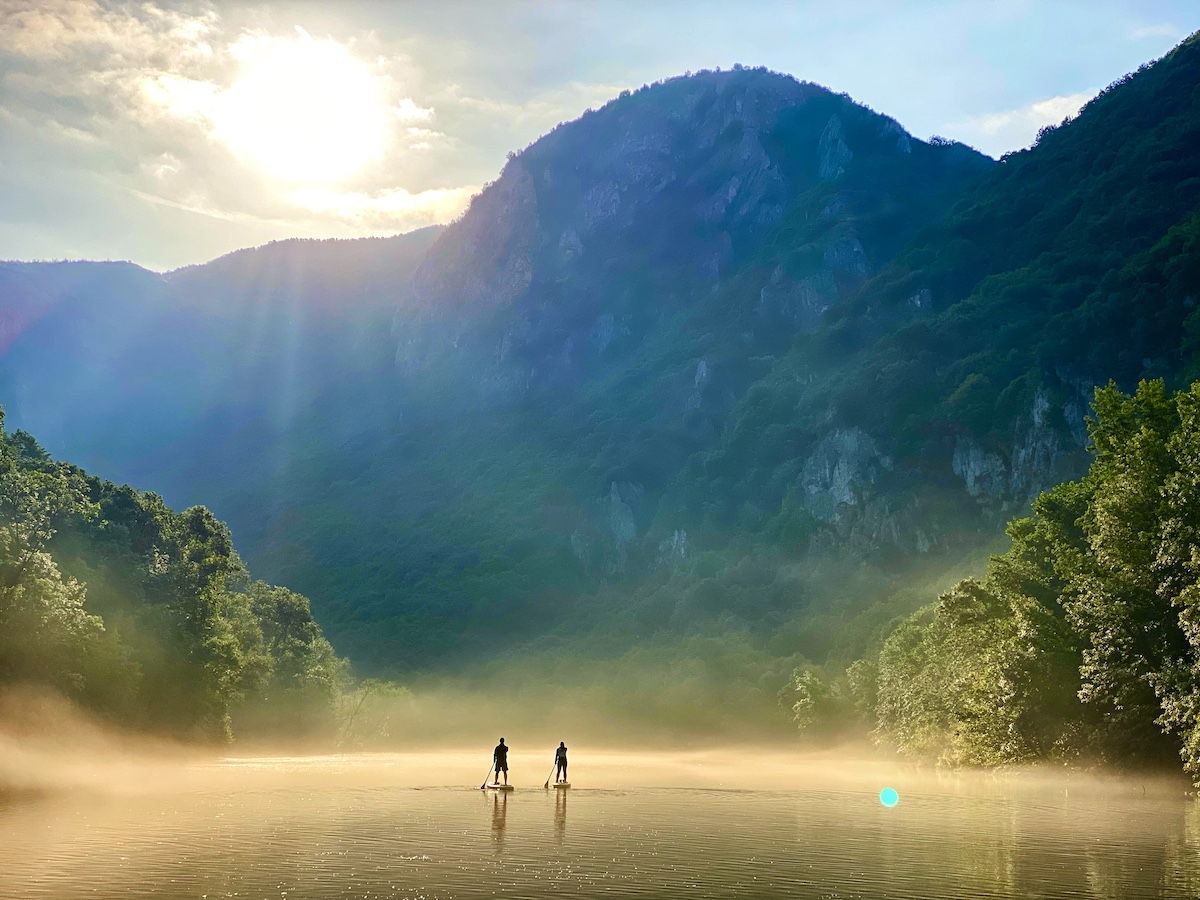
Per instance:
{"type": "Point", "coordinates": [305, 110]}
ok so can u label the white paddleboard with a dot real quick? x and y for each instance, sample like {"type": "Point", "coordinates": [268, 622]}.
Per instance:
{"type": "Point", "coordinates": [563, 784]}
{"type": "Point", "coordinates": [499, 787]}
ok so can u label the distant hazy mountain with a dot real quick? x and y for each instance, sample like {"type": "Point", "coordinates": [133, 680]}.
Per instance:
{"type": "Point", "coordinates": [691, 365]}
{"type": "Point", "coordinates": [137, 374]}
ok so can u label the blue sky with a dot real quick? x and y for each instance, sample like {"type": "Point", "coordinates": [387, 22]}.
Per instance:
{"type": "Point", "coordinates": [137, 130]}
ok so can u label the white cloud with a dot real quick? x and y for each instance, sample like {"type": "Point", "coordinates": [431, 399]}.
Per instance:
{"type": "Point", "coordinates": [300, 109]}
{"type": "Point", "coordinates": [544, 110]}
{"type": "Point", "coordinates": [408, 111]}
{"type": "Point", "coordinates": [389, 210]}
{"type": "Point", "coordinates": [1164, 30]}
{"type": "Point", "coordinates": [179, 97]}
{"type": "Point", "coordinates": [998, 133]}
{"type": "Point", "coordinates": [163, 168]}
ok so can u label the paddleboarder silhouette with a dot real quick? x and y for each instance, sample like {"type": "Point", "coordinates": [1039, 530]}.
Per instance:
{"type": "Point", "coordinates": [560, 762]}
{"type": "Point", "coordinates": [500, 758]}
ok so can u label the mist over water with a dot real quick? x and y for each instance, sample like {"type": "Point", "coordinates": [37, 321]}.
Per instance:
{"type": "Point", "coordinates": [115, 818]}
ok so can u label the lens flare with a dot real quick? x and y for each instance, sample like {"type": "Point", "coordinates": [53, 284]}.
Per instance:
{"type": "Point", "coordinates": [888, 797]}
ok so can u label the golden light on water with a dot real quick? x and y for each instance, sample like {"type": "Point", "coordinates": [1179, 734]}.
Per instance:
{"type": "Point", "coordinates": [305, 111]}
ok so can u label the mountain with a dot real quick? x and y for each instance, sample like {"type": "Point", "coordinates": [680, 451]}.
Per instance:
{"type": "Point", "coordinates": [608, 228]}
{"type": "Point", "coordinates": [708, 381]}
{"type": "Point", "coordinates": [1070, 264]}
{"type": "Point", "coordinates": [566, 347]}
{"type": "Point", "coordinates": [131, 373]}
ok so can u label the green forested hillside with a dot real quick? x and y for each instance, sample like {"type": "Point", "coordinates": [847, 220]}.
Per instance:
{"type": "Point", "coordinates": [148, 616]}
{"type": "Point", "coordinates": [1067, 265]}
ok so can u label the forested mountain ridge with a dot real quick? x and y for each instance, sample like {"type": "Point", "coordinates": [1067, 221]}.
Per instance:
{"type": "Point", "coordinates": [725, 359]}
{"type": "Point", "coordinates": [972, 357]}
{"type": "Point", "coordinates": [140, 375]}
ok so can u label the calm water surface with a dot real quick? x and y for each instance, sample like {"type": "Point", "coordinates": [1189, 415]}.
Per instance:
{"type": "Point", "coordinates": [664, 827]}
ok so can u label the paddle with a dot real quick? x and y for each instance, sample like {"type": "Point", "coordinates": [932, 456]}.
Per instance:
{"type": "Point", "coordinates": [489, 775]}
{"type": "Point", "coordinates": [546, 786]}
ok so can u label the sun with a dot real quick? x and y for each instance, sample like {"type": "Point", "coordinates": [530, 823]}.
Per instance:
{"type": "Point", "coordinates": [304, 111]}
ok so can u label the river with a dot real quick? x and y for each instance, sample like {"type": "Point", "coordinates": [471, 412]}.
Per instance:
{"type": "Point", "coordinates": [662, 825]}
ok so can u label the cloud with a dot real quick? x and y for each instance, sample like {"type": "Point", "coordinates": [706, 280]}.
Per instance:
{"type": "Point", "coordinates": [1000, 132]}
{"type": "Point", "coordinates": [408, 111]}
{"type": "Point", "coordinates": [301, 109]}
{"type": "Point", "coordinates": [178, 97]}
{"type": "Point", "coordinates": [1163, 30]}
{"type": "Point", "coordinates": [389, 210]}
{"type": "Point", "coordinates": [149, 104]}
{"type": "Point", "coordinates": [545, 109]}
{"type": "Point", "coordinates": [163, 168]}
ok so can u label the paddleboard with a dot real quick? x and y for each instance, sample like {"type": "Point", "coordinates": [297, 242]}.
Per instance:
{"type": "Point", "coordinates": [499, 787]}
{"type": "Point", "coordinates": [563, 784]}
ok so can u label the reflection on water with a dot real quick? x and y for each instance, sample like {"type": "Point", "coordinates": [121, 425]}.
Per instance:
{"type": "Point", "coordinates": [499, 818]}
{"type": "Point", "coordinates": [560, 814]}
{"type": "Point", "coordinates": [309, 832]}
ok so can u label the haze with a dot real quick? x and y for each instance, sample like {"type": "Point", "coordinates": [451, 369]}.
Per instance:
{"type": "Point", "coordinates": [132, 822]}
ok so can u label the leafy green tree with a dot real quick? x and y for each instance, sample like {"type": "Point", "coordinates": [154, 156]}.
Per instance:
{"type": "Point", "coordinates": [45, 631]}
{"type": "Point", "coordinates": [302, 678]}
{"type": "Point", "coordinates": [1128, 629]}
{"type": "Point", "coordinates": [1084, 638]}
{"type": "Point", "coordinates": [184, 640]}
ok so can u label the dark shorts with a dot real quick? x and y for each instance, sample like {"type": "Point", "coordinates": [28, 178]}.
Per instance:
{"type": "Point", "coordinates": [561, 762]}
{"type": "Point", "coordinates": [502, 765]}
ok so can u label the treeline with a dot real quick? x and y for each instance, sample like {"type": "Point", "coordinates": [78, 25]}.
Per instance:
{"type": "Point", "coordinates": [1082, 642]}
{"type": "Point", "coordinates": [148, 616]}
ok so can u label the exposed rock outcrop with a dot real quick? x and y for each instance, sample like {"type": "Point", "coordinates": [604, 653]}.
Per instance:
{"type": "Point", "coordinates": [838, 469]}
{"type": "Point", "coordinates": [1036, 460]}
{"type": "Point", "coordinates": [835, 156]}
{"type": "Point", "coordinates": [983, 473]}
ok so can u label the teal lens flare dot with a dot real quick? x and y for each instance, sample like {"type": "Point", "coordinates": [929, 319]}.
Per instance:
{"type": "Point", "coordinates": [889, 797]}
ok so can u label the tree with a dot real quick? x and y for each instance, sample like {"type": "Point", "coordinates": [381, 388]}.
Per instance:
{"type": "Point", "coordinates": [46, 634]}
{"type": "Point", "coordinates": [1084, 638]}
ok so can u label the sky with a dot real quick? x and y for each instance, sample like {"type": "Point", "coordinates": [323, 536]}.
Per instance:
{"type": "Point", "coordinates": [170, 133]}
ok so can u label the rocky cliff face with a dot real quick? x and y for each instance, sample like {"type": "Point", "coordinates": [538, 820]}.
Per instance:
{"type": "Point", "coordinates": [1047, 446]}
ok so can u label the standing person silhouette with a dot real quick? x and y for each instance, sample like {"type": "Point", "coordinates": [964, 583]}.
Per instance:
{"type": "Point", "coordinates": [560, 762]}
{"type": "Point", "coordinates": [500, 759]}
